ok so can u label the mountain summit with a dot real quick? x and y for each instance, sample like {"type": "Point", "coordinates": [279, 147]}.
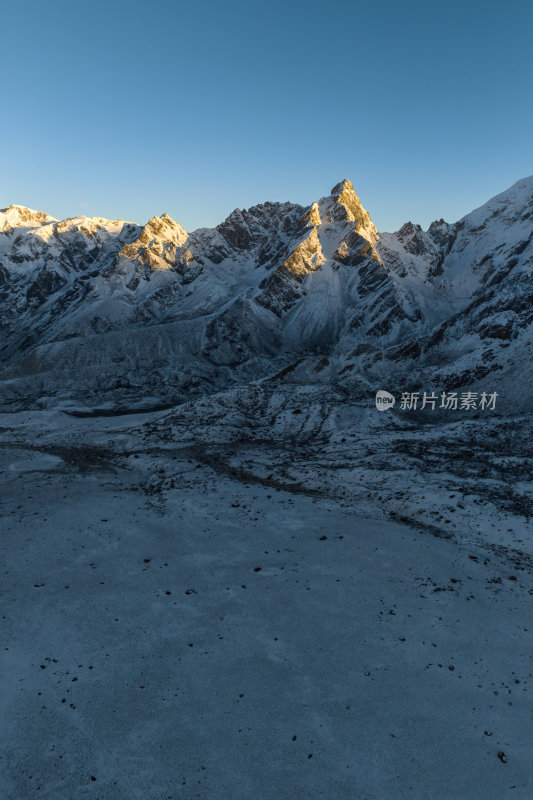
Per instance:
{"type": "Point", "coordinates": [350, 209]}
{"type": "Point", "coordinates": [99, 309]}
{"type": "Point", "coordinates": [21, 217]}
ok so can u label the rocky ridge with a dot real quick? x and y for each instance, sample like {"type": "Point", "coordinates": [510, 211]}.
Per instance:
{"type": "Point", "coordinates": [99, 311]}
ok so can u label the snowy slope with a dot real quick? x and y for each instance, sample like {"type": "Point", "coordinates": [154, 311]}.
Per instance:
{"type": "Point", "coordinates": [218, 555]}
{"type": "Point", "coordinates": [105, 309]}
{"type": "Point", "coordinates": [192, 596]}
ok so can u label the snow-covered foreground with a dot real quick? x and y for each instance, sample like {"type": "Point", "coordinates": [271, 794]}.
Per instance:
{"type": "Point", "coordinates": [200, 637]}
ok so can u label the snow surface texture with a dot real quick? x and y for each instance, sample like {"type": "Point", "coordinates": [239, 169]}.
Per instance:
{"type": "Point", "coordinates": [193, 610]}
{"type": "Point", "coordinates": [226, 574]}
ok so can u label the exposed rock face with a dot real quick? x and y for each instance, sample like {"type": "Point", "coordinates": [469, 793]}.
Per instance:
{"type": "Point", "coordinates": [22, 217]}
{"type": "Point", "coordinates": [283, 287]}
{"type": "Point", "coordinates": [158, 244]}
{"type": "Point", "coordinates": [106, 309]}
{"type": "Point", "coordinates": [312, 217]}
{"type": "Point", "coordinates": [348, 208]}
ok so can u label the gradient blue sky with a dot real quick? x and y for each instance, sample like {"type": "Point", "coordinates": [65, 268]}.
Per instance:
{"type": "Point", "coordinates": [129, 109]}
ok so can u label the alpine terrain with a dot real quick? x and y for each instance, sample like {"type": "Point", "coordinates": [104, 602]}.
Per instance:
{"type": "Point", "coordinates": [228, 571]}
{"type": "Point", "coordinates": [95, 312]}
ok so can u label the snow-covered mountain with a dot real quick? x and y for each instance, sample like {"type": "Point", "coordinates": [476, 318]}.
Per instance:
{"type": "Point", "coordinates": [96, 310]}
{"type": "Point", "coordinates": [211, 534]}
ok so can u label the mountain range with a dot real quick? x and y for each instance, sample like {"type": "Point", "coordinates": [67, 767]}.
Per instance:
{"type": "Point", "coordinates": [100, 313]}
{"type": "Point", "coordinates": [218, 554]}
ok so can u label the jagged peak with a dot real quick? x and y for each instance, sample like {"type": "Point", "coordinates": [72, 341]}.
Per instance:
{"type": "Point", "coordinates": [157, 243]}
{"type": "Point", "coordinates": [243, 228]}
{"type": "Point", "coordinates": [312, 216]}
{"type": "Point", "coordinates": [343, 186]}
{"type": "Point", "coordinates": [18, 216]}
{"type": "Point", "coordinates": [162, 225]}
{"type": "Point", "coordinates": [408, 229]}
{"type": "Point", "coordinates": [346, 206]}
{"type": "Point", "coordinates": [260, 211]}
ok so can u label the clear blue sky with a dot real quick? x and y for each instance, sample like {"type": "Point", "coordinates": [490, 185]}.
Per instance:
{"type": "Point", "coordinates": [129, 109]}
